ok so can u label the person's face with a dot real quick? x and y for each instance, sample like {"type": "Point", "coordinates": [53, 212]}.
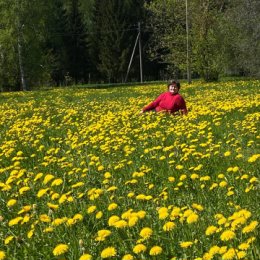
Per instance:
{"type": "Point", "coordinates": [173, 89]}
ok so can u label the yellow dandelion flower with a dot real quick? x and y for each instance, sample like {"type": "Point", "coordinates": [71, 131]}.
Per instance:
{"type": "Point", "coordinates": [11, 202]}
{"type": "Point", "coordinates": [253, 158]}
{"type": "Point", "coordinates": [112, 220]}
{"type": "Point", "coordinates": [52, 206]}
{"type": "Point", "coordinates": [244, 246]}
{"type": "Point", "coordinates": [223, 250]}
{"type": "Point", "coordinates": [227, 235]}
{"type": "Point", "coordinates": [108, 252]}
{"type": "Point", "coordinates": [57, 182]}
{"type": "Point", "coordinates": [30, 233]}
{"type": "Point", "coordinates": [230, 193]}
{"type": "Point", "coordinates": [179, 167]}
{"type": "Point", "coordinates": [251, 227]}
{"type": "Point", "coordinates": [214, 250]}
{"type": "Point", "coordinates": [183, 177]}
{"type": "Point", "coordinates": [139, 248]}
{"type": "Point", "coordinates": [141, 214]}
{"type": "Point", "coordinates": [253, 179]}
{"type": "Point", "coordinates": [47, 178]}
{"type": "Point", "coordinates": [38, 176]}
{"type": "Point", "coordinates": [120, 223]}
{"type": "Point", "coordinates": [60, 249]}
{"type": "Point", "coordinates": [132, 221]}
{"type": "Point", "coordinates": [205, 178]}
{"type": "Point", "coordinates": [55, 196]}
{"type": "Point", "coordinates": [24, 189]}
{"type": "Point", "coordinates": [235, 169]}
{"type": "Point", "coordinates": [150, 186]}
{"type": "Point", "coordinates": [128, 257]}
{"type": "Point", "coordinates": [100, 168]}
{"type": "Point", "coordinates": [163, 213]}
{"type": "Point", "coordinates": [140, 197]}
{"type": "Point", "coordinates": [251, 240]}
{"type": "Point", "coordinates": [169, 226]}
{"type": "Point", "coordinates": [227, 153]}
{"type": "Point", "coordinates": [102, 234]}
{"type": "Point", "coordinates": [238, 222]}
{"type": "Point", "coordinates": [171, 179]}
{"type": "Point", "coordinates": [48, 230]}
{"type": "Point", "coordinates": [146, 232]}
{"type": "Point", "coordinates": [221, 176]}
{"type": "Point", "coordinates": [175, 213]}
{"type": "Point", "coordinates": [130, 194]}
{"type": "Point", "coordinates": [91, 209]}
{"type": "Point", "coordinates": [222, 221]}
{"type": "Point", "coordinates": [2, 255]}
{"type": "Point", "coordinates": [197, 207]}
{"type": "Point", "coordinates": [187, 213]}
{"type": "Point", "coordinates": [58, 221]}
{"type": "Point", "coordinates": [223, 184]}
{"type": "Point", "coordinates": [207, 256]}
{"type": "Point", "coordinates": [192, 218]}
{"type": "Point", "coordinates": [107, 175]}
{"type": "Point", "coordinates": [241, 254]}
{"type": "Point", "coordinates": [86, 257]}
{"type": "Point", "coordinates": [186, 244]}
{"type": "Point", "coordinates": [112, 188]}
{"type": "Point", "coordinates": [112, 206]}
{"type": "Point", "coordinates": [71, 222]}
{"type": "Point", "coordinates": [19, 153]}
{"type": "Point", "coordinates": [194, 176]}
{"type": "Point", "coordinates": [26, 219]}
{"type": "Point", "coordinates": [99, 215]}
{"type": "Point", "coordinates": [8, 240]}
{"type": "Point", "coordinates": [42, 192]}
{"type": "Point", "coordinates": [15, 221]}
{"type": "Point", "coordinates": [45, 218]}
{"type": "Point", "coordinates": [229, 255]}
{"type": "Point", "coordinates": [155, 250]}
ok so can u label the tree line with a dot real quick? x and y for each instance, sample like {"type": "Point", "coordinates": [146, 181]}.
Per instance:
{"type": "Point", "coordinates": [63, 42]}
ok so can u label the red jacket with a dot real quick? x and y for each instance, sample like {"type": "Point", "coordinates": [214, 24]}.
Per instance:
{"type": "Point", "coordinates": [168, 102]}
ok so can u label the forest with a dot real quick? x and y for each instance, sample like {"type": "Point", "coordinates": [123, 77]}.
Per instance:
{"type": "Point", "coordinates": [66, 42]}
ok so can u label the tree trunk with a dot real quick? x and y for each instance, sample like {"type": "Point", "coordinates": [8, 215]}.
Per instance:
{"type": "Point", "coordinates": [20, 56]}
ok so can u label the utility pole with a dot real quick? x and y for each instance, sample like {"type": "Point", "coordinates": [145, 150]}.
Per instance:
{"type": "Point", "coordinates": [130, 63]}
{"type": "Point", "coordinates": [140, 53]}
{"type": "Point", "coordinates": [188, 44]}
{"type": "Point", "coordinates": [138, 39]}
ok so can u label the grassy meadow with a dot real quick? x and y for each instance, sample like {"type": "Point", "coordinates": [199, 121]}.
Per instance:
{"type": "Point", "coordinates": [84, 176]}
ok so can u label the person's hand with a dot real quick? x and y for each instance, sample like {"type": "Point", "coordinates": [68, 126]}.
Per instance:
{"type": "Point", "coordinates": [141, 112]}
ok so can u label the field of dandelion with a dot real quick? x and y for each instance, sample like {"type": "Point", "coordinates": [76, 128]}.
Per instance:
{"type": "Point", "coordinates": [84, 176]}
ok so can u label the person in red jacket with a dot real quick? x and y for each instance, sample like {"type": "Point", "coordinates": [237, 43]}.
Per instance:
{"type": "Point", "coordinates": [170, 101]}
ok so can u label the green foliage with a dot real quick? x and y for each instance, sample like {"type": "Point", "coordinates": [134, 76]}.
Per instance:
{"type": "Point", "coordinates": [75, 41]}
{"type": "Point", "coordinates": [23, 22]}
{"type": "Point", "coordinates": [110, 43]}
{"type": "Point", "coordinates": [207, 39]}
{"type": "Point", "coordinates": [166, 19]}
{"type": "Point", "coordinates": [242, 38]}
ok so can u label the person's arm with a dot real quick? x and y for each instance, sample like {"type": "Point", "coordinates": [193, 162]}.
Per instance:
{"type": "Point", "coordinates": [154, 104]}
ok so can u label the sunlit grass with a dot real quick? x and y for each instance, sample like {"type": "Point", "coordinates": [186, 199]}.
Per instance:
{"type": "Point", "coordinates": [84, 176]}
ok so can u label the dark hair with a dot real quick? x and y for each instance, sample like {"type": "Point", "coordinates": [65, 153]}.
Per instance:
{"type": "Point", "coordinates": [174, 82]}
